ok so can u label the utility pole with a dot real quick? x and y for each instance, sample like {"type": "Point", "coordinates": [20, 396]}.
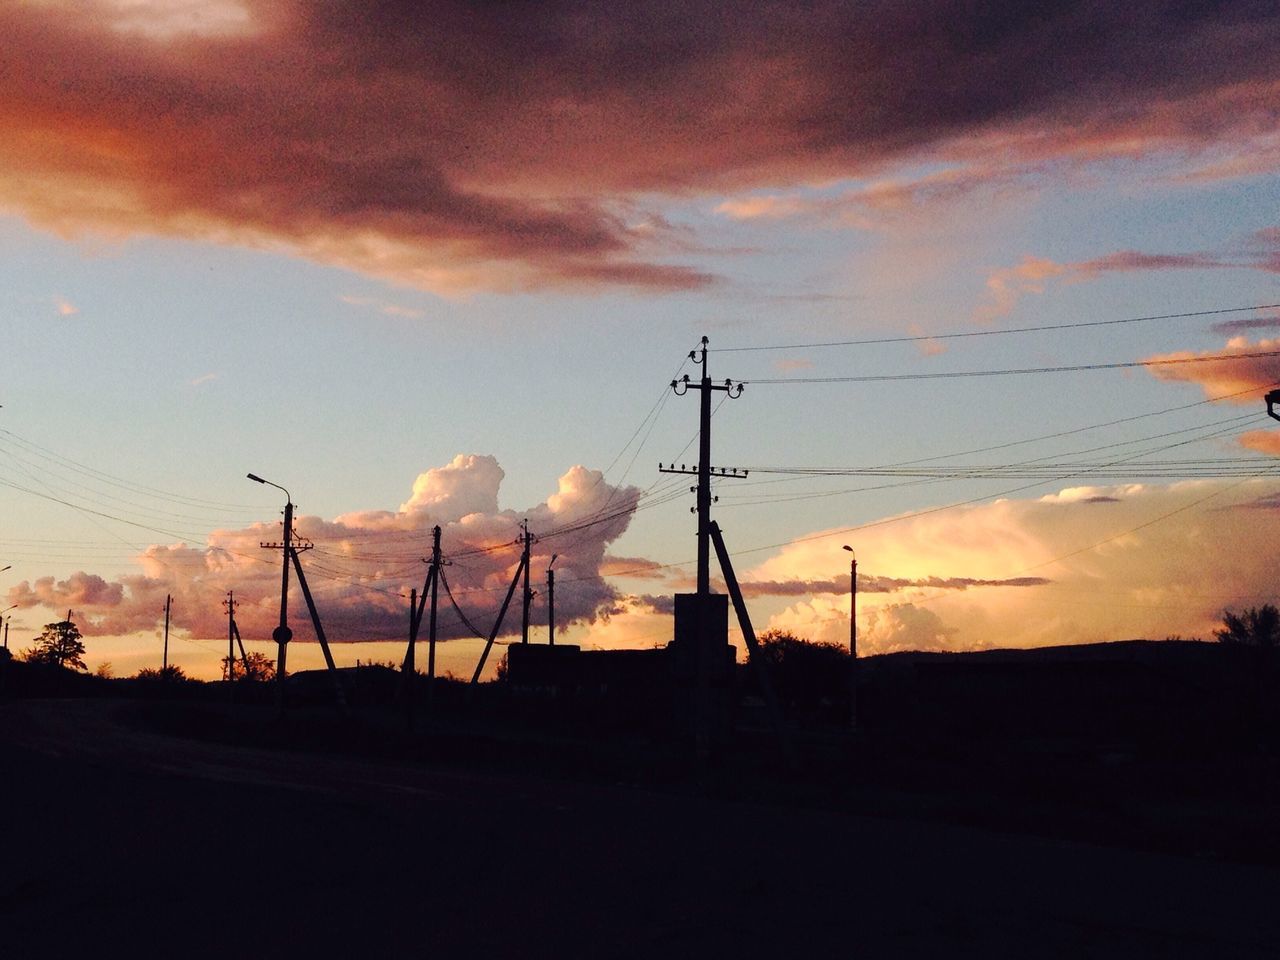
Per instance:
{"type": "Point", "coordinates": [6, 632]}
{"type": "Point", "coordinates": [705, 649]}
{"type": "Point", "coordinates": [525, 538]}
{"type": "Point", "coordinates": [167, 601]}
{"type": "Point", "coordinates": [230, 604]}
{"type": "Point", "coordinates": [703, 469]}
{"type": "Point", "coordinates": [853, 638]}
{"type": "Point", "coordinates": [551, 601]}
{"type": "Point", "coordinates": [431, 627]}
{"type": "Point", "coordinates": [281, 634]}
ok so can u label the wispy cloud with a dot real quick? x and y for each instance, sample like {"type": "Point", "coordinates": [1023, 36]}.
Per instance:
{"type": "Point", "coordinates": [1006, 286]}
{"type": "Point", "coordinates": [203, 379]}
{"type": "Point", "coordinates": [65, 307]}
{"type": "Point", "coordinates": [383, 306]}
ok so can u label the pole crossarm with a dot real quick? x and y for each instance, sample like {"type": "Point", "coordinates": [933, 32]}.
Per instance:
{"type": "Point", "coordinates": [702, 469]}
{"type": "Point", "coordinates": [729, 473]}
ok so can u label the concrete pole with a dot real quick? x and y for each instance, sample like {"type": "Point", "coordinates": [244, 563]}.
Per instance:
{"type": "Point", "coordinates": [528, 594]}
{"type": "Point", "coordinates": [431, 628]}
{"type": "Point", "coordinates": [551, 606]}
{"type": "Point", "coordinates": [853, 640]}
{"type": "Point", "coordinates": [282, 634]}
{"type": "Point", "coordinates": [167, 601]}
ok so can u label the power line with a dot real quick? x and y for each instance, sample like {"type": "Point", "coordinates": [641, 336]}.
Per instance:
{"type": "Point", "coordinates": [917, 338]}
{"type": "Point", "coordinates": [1015, 371]}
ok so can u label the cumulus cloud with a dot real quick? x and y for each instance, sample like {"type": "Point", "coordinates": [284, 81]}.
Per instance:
{"type": "Point", "coordinates": [364, 564]}
{"type": "Point", "coordinates": [1150, 561]}
{"type": "Point", "coordinates": [455, 145]}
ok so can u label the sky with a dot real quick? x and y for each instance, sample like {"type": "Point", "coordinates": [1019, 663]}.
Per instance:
{"type": "Point", "coordinates": [437, 264]}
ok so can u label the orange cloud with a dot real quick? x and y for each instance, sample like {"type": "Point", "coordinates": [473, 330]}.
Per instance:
{"type": "Point", "coordinates": [1223, 373]}
{"type": "Point", "coordinates": [455, 146]}
{"type": "Point", "coordinates": [1085, 564]}
{"type": "Point", "coordinates": [1263, 441]}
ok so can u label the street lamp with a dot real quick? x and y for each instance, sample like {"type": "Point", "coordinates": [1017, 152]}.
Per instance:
{"type": "Point", "coordinates": [4, 621]}
{"type": "Point", "coordinates": [853, 638]}
{"type": "Point", "coordinates": [282, 634]}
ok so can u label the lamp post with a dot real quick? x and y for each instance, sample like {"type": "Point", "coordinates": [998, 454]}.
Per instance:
{"type": "Point", "coordinates": [853, 638]}
{"type": "Point", "coordinates": [4, 622]}
{"type": "Point", "coordinates": [282, 634]}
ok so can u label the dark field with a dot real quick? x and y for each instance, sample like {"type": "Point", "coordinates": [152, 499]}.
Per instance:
{"type": "Point", "coordinates": [195, 828]}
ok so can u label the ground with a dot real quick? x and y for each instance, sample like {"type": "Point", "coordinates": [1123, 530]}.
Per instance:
{"type": "Point", "coordinates": [119, 839]}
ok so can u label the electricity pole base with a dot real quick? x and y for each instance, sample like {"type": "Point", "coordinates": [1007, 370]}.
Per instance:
{"type": "Point", "coordinates": [702, 664]}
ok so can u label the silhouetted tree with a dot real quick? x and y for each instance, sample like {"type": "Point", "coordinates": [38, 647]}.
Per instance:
{"type": "Point", "coordinates": [811, 676]}
{"type": "Point", "coordinates": [1255, 627]}
{"type": "Point", "coordinates": [60, 645]}
{"type": "Point", "coordinates": [170, 674]}
{"type": "Point", "coordinates": [258, 667]}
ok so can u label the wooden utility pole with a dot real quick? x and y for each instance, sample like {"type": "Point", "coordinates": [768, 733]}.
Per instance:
{"type": "Point", "coordinates": [502, 613]}
{"type": "Point", "coordinates": [528, 594]}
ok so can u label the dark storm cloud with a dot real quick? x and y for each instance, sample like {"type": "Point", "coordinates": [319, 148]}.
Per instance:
{"type": "Point", "coordinates": [504, 145]}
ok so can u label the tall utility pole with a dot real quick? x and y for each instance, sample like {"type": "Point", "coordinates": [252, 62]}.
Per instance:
{"type": "Point", "coordinates": [705, 651]}
{"type": "Point", "coordinates": [526, 539]}
{"type": "Point", "coordinates": [703, 468]}
{"type": "Point", "coordinates": [853, 638]}
{"type": "Point", "coordinates": [551, 601]}
{"type": "Point", "coordinates": [281, 634]}
{"type": "Point", "coordinates": [167, 601]}
{"type": "Point", "coordinates": [230, 604]}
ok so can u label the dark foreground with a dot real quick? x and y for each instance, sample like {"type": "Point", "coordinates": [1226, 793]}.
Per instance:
{"type": "Point", "coordinates": [118, 839]}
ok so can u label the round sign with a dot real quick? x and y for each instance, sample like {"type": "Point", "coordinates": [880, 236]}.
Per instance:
{"type": "Point", "coordinates": [281, 634]}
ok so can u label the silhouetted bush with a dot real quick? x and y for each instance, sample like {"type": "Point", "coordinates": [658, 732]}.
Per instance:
{"type": "Point", "coordinates": [811, 678]}
{"type": "Point", "coordinates": [1256, 627]}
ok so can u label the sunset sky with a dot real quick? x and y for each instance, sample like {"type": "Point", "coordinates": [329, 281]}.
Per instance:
{"type": "Point", "coordinates": [434, 263]}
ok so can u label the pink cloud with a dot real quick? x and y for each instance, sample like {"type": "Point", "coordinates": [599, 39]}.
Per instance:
{"type": "Point", "coordinates": [1005, 287]}
{"type": "Point", "coordinates": [364, 564]}
{"type": "Point", "coordinates": [456, 146]}
{"type": "Point", "coordinates": [1227, 373]}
